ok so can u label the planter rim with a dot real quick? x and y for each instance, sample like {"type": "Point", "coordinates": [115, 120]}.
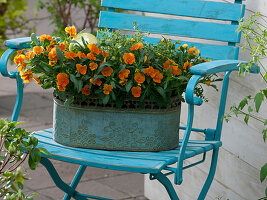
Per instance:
{"type": "Point", "coordinates": [114, 109]}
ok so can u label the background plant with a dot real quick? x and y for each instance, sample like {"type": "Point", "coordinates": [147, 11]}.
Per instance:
{"type": "Point", "coordinates": [16, 145]}
{"type": "Point", "coordinates": [255, 34]}
{"type": "Point", "coordinates": [13, 20]}
{"type": "Point", "coordinates": [63, 12]}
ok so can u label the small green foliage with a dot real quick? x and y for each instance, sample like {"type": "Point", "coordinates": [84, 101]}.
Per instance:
{"type": "Point", "coordinates": [16, 145]}
{"type": "Point", "coordinates": [255, 34]}
{"type": "Point", "coordinates": [263, 172]}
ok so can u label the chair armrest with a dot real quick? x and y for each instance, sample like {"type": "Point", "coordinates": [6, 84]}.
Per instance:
{"type": "Point", "coordinates": [18, 43]}
{"type": "Point", "coordinates": [212, 67]}
{"type": "Point", "coordinates": [14, 45]}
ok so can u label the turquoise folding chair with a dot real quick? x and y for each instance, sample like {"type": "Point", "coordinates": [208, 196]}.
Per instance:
{"type": "Point", "coordinates": [153, 163]}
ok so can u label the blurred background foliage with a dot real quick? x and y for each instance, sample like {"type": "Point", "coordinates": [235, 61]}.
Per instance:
{"type": "Point", "coordinates": [83, 14]}
{"type": "Point", "coordinates": [13, 20]}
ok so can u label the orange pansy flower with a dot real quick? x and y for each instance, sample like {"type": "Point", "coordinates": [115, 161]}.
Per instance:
{"type": "Point", "coordinates": [52, 55]}
{"type": "Point", "coordinates": [62, 46]}
{"type": "Point", "coordinates": [86, 90]}
{"type": "Point", "coordinates": [158, 76]}
{"type": "Point", "coordinates": [30, 55]}
{"type": "Point", "coordinates": [71, 30]}
{"type": "Point", "coordinates": [96, 82]}
{"type": "Point", "coordinates": [81, 69]}
{"type": "Point", "coordinates": [137, 46]}
{"type": "Point", "coordinates": [107, 71]}
{"type": "Point", "coordinates": [91, 56]}
{"type": "Point", "coordinates": [166, 65]}
{"type": "Point", "coordinates": [123, 82]}
{"type": "Point", "coordinates": [139, 77]}
{"type": "Point", "coordinates": [19, 59]}
{"type": "Point", "coordinates": [107, 88]}
{"type": "Point", "coordinates": [21, 67]}
{"type": "Point", "coordinates": [176, 70]}
{"type": "Point", "coordinates": [93, 48]}
{"type": "Point", "coordinates": [50, 47]}
{"type": "Point", "coordinates": [93, 66]}
{"type": "Point", "coordinates": [62, 81]}
{"type": "Point", "coordinates": [26, 75]}
{"type": "Point", "coordinates": [150, 71]}
{"type": "Point", "coordinates": [124, 74]}
{"type": "Point", "coordinates": [70, 54]}
{"type": "Point", "coordinates": [136, 91]}
{"type": "Point", "coordinates": [104, 53]}
{"type": "Point", "coordinates": [187, 65]}
{"type": "Point", "coordinates": [81, 55]}
{"type": "Point", "coordinates": [44, 36]}
{"type": "Point", "coordinates": [193, 50]}
{"type": "Point", "coordinates": [38, 49]}
{"type": "Point", "coordinates": [145, 59]}
{"type": "Point", "coordinates": [129, 58]}
{"type": "Point", "coordinates": [37, 80]}
{"type": "Point", "coordinates": [52, 62]}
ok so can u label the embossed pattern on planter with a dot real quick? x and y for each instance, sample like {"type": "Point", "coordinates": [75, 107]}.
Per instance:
{"type": "Point", "coordinates": [116, 129]}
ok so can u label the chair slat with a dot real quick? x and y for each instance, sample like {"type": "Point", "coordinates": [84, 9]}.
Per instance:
{"type": "Point", "coordinates": [190, 8]}
{"type": "Point", "coordinates": [144, 162]}
{"type": "Point", "coordinates": [214, 52]}
{"type": "Point", "coordinates": [186, 28]}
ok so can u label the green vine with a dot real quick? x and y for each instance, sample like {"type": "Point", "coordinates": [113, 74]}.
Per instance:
{"type": "Point", "coordinates": [255, 34]}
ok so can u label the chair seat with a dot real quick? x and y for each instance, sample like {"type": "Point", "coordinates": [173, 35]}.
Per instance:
{"type": "Point", "coordinates": [142, 162]}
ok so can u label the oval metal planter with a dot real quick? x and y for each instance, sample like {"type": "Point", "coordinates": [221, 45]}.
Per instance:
{"type": "Point", "coordinates": [116, 129]}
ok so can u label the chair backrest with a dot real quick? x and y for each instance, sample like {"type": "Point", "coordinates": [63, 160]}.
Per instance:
{"type": "Point", "coordinates": [183, 18]}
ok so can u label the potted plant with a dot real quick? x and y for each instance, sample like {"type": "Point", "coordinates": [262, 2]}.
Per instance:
{"type": "Point", "coordinates": [119, 92]}
{"type": "Point", "coordinates": [16, 146]}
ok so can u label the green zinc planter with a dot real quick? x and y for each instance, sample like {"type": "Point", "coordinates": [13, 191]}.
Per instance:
{"type": "Point", "coordinates": [116, 129]}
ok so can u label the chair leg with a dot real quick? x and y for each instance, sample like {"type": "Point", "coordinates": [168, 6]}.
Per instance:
{"type": "Point", "coordinates": [56, 178]}
{"type": "Point", "coordinates": [211, 174]}
{"type": "Point", "coordinates": [166, 183]}
{"type": "Point", "coordinates": [76, 180]}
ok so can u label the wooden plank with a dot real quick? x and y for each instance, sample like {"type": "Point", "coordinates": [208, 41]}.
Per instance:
{"type": "Point", "coordinates": [190, 8]}
{"type": "Point", "coordinates": [214, 52]}
{"type": "Point", "coordinates": [185, 28]}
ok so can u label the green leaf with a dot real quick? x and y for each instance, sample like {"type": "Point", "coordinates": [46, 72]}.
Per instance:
{"type": "Point", "coordinates": [35, 154]}
{"type": "Point", "coordinates": [243, 103]}
{"type": "Point", "coordinates": [246, 118]}
{"type": "Point", "coordinates": [265, 92]}
{"type": "Point", "coordinates": [263, 172]}
{"type": "Point", "coordinates": [264, 133]}
{"type": "Point", "coordinates": [258, 99]}
{"type": "Point", "coordinates": [105, 99]}
{"type": "Point", "coordinates": [78, 84]}
{"type": "Point", "coordinates": [113, 96]}
{"type": "Point", "coordinates": [68, 102]}
{"type": "Point", "coordinates": [161, 91]}
{"type": "Point", "coordinates": [59, 54]}
{"type": "Point", "coordinates": [97, 76]}
{"type": "Point", "coordinates": [34, 39]}
{"type": "Point", "coordinates": [44, 151]}
{"type": "Point", "coordinates": [32, 164]}
{"type": "Point", "coordinates": [250, 109]}
{"type": "Point", "coordinates": [128, 86]}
